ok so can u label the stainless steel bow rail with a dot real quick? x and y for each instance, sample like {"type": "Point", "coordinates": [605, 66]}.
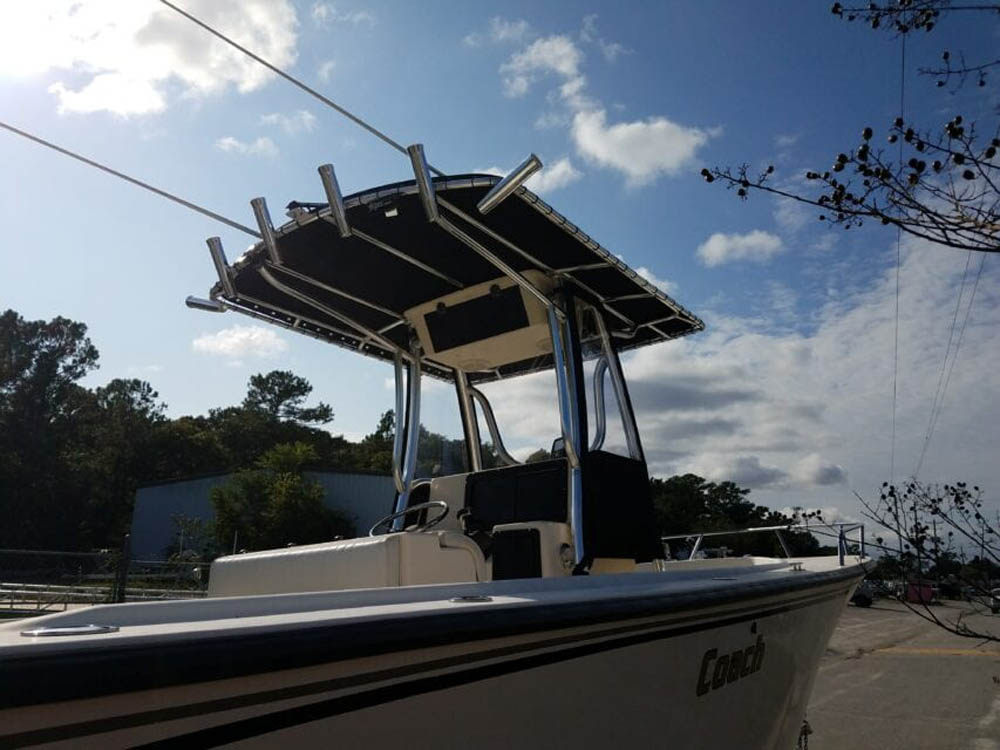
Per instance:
{"type": "Point", "coordinates": [838, 531]}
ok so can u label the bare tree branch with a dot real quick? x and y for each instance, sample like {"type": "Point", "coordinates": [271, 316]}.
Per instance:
{"type": "Point", "coordinates": [944, 184]}
{"type": "Point", "coordinates": [936, 527]}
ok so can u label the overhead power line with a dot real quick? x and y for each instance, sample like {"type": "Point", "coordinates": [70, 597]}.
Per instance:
{"type": "Point", "coordinates": [294, 81]}
{"type": "Point", "coordinates": [961, 333]}
{"type": "Point", "coordinates": [899, 233]}
{"type": "Point", "coordinates": [133, 180]}
{"type": "Point", "coordinates": [947, 352]}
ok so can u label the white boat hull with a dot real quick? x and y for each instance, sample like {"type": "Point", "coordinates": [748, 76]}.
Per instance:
{"type": "Point", "coordinates": [720, 666]}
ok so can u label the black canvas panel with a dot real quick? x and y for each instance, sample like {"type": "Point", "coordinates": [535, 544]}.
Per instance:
{"type": "Point", "coordinates": [393, 215]}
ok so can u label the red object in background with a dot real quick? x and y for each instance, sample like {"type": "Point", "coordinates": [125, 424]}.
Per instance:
{"type": "Point", "coordinates": [919, 592]}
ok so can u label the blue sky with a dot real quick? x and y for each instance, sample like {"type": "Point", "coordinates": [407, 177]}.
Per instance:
{"type": "Point", "coordinates": [788, 391]}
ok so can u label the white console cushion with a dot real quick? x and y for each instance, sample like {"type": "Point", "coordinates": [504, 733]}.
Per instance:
{"type": "Point", "coordinates": [366, 562]}
{"type": "Point", "coordinates": [402, 559]}
{"type": "Point", "coordinates": [458, 541]}
{"type": "Point", "coordinates": [427, 558]}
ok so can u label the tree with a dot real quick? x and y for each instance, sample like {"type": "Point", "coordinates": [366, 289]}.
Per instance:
{"type": "Point", "coordinates": [689, 503]}
{"type": "Point", "coordinates": [935, 532]}
{"type": "Point", "coordinates": [940, 183]}
{"type": "Point", "coordinates": [274, 504]}
{"type": "Point", "coordinates": [281, 394]}
{"type": "Point", "coordinates": [120, 425]}
{"type": "Point", "coordinates": [439, 455]}
{"type": "Point", "coordinates": [188, 446]}
{"type": "Point", "coordinates": [194, 539]}
{"type": "Point", "coordinates": [71, 458]}
{"type": "Point", "coordinates": [40, 487]}
{"type": "Point", "coordinates": [374, 452]}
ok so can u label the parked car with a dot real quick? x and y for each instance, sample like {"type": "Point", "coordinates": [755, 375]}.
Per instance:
{"type": "Point", "coordinates": [863, 595]}
{"type": "Point", "coordinates": [984, 598]}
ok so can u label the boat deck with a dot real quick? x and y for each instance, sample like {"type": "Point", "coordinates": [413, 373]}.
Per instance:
{"type": "Point", "coordinates": [683, 584]}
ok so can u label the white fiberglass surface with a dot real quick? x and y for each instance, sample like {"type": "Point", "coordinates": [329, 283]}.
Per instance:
{"type": "Point", "coordinates": [218, 616]}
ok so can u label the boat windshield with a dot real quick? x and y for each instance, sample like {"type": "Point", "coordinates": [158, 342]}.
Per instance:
{"type": "Point", "coordinates": [441, 447]}
{"type": "Point", "coordinates": [606, 419]}
{"type": "Point", "coordinates": [526, 412]}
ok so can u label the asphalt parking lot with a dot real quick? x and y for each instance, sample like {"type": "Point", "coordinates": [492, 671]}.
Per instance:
{"type": "Point", "coordinates": [891, 680]}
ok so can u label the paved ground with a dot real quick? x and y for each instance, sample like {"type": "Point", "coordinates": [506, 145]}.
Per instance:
{"type": "Point", "coordinates": [891, 680]}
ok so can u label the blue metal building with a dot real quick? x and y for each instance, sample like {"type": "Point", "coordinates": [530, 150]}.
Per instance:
{"type": "Point", "coordinates": [365, 498]}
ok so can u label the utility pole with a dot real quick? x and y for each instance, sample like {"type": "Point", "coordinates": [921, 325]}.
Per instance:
{"type": "Point", "coordinates": [937, 552]}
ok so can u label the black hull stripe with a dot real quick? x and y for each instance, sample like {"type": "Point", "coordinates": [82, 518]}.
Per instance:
{"type": "Point", "coordinates": [247, 728]}
{"type": "Point", "coordinates": [34, 680]}
{"type": "Point", "coordinates": [650, 631]}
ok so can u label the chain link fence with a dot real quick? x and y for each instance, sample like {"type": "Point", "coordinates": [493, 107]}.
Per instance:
{"type": "Point", "coordinates": [34, 582]}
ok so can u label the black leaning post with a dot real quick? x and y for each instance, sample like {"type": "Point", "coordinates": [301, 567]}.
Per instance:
{"type": "Point", "coordinates": [121, 575]}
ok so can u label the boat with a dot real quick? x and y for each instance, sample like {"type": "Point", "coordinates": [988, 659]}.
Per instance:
{"type": "Point", "coordinates": [507, 604]}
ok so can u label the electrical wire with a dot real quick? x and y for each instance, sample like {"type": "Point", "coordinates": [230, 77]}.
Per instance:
{"type": "Point", "coordinates": [133, 180]}
{"type": "Point", "coordinates": [188, 204]}
{"type": "Point", "coordinates": [294, 81]}
{"type": "Point", "coordinates": [944, 362]}
{"type": "Point", "coordinates": [899, 232]}
{"type": "Point", "coordinates": [947, 380]}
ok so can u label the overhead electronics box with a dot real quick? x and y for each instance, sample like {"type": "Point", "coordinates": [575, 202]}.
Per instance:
{"type": "Point", "coordinates": [485, 326]}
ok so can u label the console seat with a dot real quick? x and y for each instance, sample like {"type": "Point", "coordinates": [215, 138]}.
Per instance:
{"type": "Point", "coordinates": [401, 559]}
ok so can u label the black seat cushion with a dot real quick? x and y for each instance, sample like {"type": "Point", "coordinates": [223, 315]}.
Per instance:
{"type": "Point", "coordinates": [618, 519]}
{"type": "Point", "coordinates": [511, 494]}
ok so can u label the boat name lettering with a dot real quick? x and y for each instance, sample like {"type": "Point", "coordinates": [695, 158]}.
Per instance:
{"type": "Point", "coordinates": [718, 671]}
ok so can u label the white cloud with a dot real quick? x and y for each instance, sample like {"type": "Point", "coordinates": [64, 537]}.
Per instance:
{"type": "Point", "coordinates": [782, 300]}
{"type": "Point", "coordinates": [300, 121]}
{"type": "Point", "coordinates": [611, 50]}
{"type": "Point", "coordinates": [549, 120]}
{"type": "Point", "coordinates": [551, 54]}
{"type": "Point", "coordinates": [241, 341]}
{"type": "Point", "coordinates": [493, 170]}
{"type": "Point", "coordinates": [824, 243]}
{"type": "Point", "coordinates": [793, 216]}
{"type": "Point", "coordinates": [553, 176]}
{"type": "Point", "coordinates": [589, 33]}
{"type": "Point", "coordinates": [326, 14]}
{"type": "Point", "coordinates": [642, 150]}
{"type": "Point", "coordinates": [111, 92]}
{"type": "Point", "coordinates": [830, 514]}
{"type": "Point", "coordinates": [326, 69]}
{"type": "Point", "coordinates": [262, 146]}
{"type": "Point", "coordinates": [805, 416]}
{"type": "Point", "coordinates": [501, 30]}
{"type": "Point", "coordinates": [664, 285]}
{"type": "Point", "coordinates": [746, 471]}
{"type": "Point", "coordinates": [815, 470]}
{"type": "Point", "coordinates": [125, 56]}
{"type": "Point", "coordinates": [785, 140]}
{"type": "Point", "coordinates": [758, 246]}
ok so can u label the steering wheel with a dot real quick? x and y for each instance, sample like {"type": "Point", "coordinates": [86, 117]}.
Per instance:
{"type": "Point", "coordinates": [419, 527]}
